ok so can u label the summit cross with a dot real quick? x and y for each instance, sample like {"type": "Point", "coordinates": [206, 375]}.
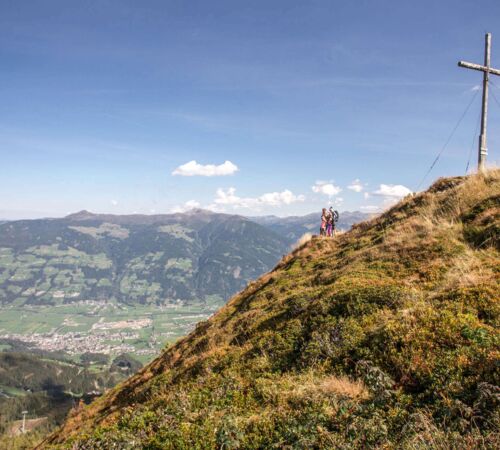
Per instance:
{"type": "Point", "coordinates": [487, 70]}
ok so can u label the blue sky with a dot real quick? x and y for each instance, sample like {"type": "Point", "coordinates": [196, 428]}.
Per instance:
{"type": "Point", "coordinates": [103, 101]}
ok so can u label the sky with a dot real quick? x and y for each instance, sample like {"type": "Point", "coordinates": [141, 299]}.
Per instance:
{"type": "Point", "coordinates": [248, 107]}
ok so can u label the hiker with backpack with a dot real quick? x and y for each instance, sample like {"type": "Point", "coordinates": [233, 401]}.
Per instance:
{"type": "Point", "coordinates": [333, 216]}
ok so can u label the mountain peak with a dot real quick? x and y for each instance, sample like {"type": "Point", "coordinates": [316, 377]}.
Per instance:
{"type": "Point", "coordinates": [81, 215]}
{"type": "Point", "coordinates": [199, 211]}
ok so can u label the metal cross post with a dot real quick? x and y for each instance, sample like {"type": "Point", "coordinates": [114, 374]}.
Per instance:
{"type": "Point", "coordinates": [487, 70]}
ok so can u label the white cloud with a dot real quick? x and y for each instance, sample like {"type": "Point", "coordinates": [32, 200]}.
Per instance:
{"type": "Point", "coordinates": [477, 87]}
{"type": "Point", "coordinates": [192, 168]}
{"type": "Point", "coordinates": [114, 202]}
{"type": "Point", "coordinates": [190, 204]}
{"type": "Point", "coordinates": [323, 187]}
{"type": "Point", "coordinates": [392, 191]}
{"type": "Point", "coordinates": [355, 186]}
{"type": "Point", "coordinates": [390, 194]}
{"type": "Point", "coordinates": [229, 198]}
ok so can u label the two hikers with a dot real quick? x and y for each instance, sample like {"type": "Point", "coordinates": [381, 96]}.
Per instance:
{"type": "Point", "coordinates": [328, 220]}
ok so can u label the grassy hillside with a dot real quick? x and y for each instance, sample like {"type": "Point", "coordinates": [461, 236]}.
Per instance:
{"type": "Point", "coordinates": [384, 337]}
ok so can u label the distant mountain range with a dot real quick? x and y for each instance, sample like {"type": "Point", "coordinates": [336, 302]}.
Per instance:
{"type": "Point", "coordinates": [142, 258]}
{"type": "Point", "coordinates": [133, 258]}
{"type": "Point", "coordinates": [294, 227]}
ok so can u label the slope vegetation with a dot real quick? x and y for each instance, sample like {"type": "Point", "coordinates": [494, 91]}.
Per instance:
{"type": "Point", "coordinates": [384, 337]}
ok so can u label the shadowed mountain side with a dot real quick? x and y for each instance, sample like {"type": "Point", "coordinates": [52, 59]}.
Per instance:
{"type": "Point", "coordinates": [385, 337]}
{"type": "Point", "coordinates": [48, 386]}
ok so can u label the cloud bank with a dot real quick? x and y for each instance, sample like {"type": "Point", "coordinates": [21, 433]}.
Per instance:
{"type": "Point", "coordinates": [228, 197]}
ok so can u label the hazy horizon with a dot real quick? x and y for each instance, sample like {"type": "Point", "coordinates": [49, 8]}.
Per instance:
{"type": "Point", "coordinates": [35, 215]}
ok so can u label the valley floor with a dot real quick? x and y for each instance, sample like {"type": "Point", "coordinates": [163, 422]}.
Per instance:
{"type": "Point", "coordinates": [103, 327]}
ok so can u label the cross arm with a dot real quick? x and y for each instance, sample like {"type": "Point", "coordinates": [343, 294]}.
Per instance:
{"type": "Point", "coordinates": [479, 67]}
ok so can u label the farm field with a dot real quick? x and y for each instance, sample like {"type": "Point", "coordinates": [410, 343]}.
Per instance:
{"type": "Point", "coordinates": [104, 327]}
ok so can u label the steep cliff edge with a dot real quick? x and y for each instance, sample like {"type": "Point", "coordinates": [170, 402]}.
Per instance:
{"type": "Point", "coordinates": [384, 336]}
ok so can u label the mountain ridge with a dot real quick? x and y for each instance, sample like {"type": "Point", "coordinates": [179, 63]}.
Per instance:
{"type": "Point", "coordinates": [85, 215]}
{"type": "Point", "coordinates": [383, 337]}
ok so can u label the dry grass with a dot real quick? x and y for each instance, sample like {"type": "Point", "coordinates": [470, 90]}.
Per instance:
{"type": "Point", "coordinates": [345, 387]}
{"type": "Point", "coordinates": [468, 270]}
{"type": "Point", "coordinates": [475, 187]}
{"type": "Point", "coordinates": [414, 228]}
{"type": "Point", "coordinates": [441, 205]}
{"type": "Point", "coordinates": [422, 434]}
{"type": "Point", "coordinates": [304, 239]}
{"type": "Point", "coordinates": [310, 386]}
